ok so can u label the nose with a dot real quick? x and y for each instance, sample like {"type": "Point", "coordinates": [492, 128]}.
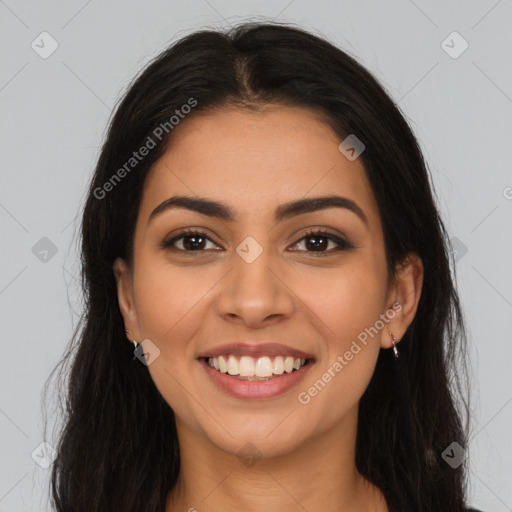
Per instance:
{"type": "Point", "coordinates": [255, 294]}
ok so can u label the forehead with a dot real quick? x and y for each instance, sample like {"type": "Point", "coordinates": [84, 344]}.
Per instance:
{"type": "Point", "coordinates": [254, 161]}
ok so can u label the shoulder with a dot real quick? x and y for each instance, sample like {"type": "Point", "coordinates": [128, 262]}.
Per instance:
{"type": "Point", "coordinates": [473, 510]}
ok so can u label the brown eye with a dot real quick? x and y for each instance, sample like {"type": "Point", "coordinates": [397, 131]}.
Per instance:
{"type": "Point", "coordinates": [320, 241]}
{"type": "Point", "coordinates": [191, 241]}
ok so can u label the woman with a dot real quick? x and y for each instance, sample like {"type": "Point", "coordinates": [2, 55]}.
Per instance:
{"type": "Point", "coordinates": [261, 230]}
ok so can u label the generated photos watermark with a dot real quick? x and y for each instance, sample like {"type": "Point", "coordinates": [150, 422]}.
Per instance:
{"type": "Point", "coordinates": [304, 397]}
{"type": "Point", "coordinates": [158, 133]}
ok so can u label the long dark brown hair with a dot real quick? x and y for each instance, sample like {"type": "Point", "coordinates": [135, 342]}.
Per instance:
{"type": "Point", "coordinates": [117, 447]}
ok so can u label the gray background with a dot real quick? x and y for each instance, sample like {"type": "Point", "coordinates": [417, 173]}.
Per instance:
{"type": "Point", "coordinates": [55, 111]}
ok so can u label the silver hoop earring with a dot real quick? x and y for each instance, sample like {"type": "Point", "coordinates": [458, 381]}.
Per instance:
{"type": "Point", "coordinates": [394, 340]}
{"type": "Point", "coordinates": [135, 345]}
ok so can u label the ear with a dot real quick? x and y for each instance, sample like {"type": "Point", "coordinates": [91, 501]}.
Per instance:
{"type": "Point", "coordinates": [125, 298]}
{"type": "Point", "coordinates": [406, 290]}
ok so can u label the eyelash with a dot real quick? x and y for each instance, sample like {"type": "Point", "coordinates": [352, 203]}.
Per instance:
{"type": "Point", "coordinates": [341, 243]}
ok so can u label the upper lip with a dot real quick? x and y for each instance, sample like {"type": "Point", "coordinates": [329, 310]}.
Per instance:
{"type": "Point", "coordinates": [259, 350]}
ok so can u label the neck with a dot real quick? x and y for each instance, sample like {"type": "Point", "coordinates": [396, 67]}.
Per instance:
{"type": "Point", "coordinates": [320, 475]}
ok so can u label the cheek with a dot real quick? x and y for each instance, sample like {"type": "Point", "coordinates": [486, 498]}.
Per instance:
{"type": "Point", "coordinates": [170, 304]}
{"type": "Point", "coordinates": [349, 302]}
{"type": "Point", "coordinates": [347, 299]}
{"type": "Point", "coordinates": [167, 300]}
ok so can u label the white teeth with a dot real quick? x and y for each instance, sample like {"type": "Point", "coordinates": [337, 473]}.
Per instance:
{"type": "Point", "coordinates": [278, 368]}
{"type": "Point", "coordinates": [246, 366]}
{"type": "Point", "coordinates": [233, 366]}
{"type": "Point", "coordinates": [263, 367]}
{"type": "Point", "coordinates": [288, 364]}
{"type": "Point", "coordinates": [255, 367]}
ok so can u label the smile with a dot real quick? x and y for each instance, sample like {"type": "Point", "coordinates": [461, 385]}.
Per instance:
{"type": "Point", "coordinates": [252, 387]}
{"type": "Point", "coordinates": [252, 368]}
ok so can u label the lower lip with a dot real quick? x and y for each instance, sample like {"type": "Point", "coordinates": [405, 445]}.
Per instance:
{"type": "Point", "coordinates": [256, 389]}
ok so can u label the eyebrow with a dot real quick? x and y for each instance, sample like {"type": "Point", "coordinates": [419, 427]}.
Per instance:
{"type": "Point", "coordinates": [285, 211]}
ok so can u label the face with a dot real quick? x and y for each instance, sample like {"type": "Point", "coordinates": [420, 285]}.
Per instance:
{"type": "Point", "coordinates": [258, 278]}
